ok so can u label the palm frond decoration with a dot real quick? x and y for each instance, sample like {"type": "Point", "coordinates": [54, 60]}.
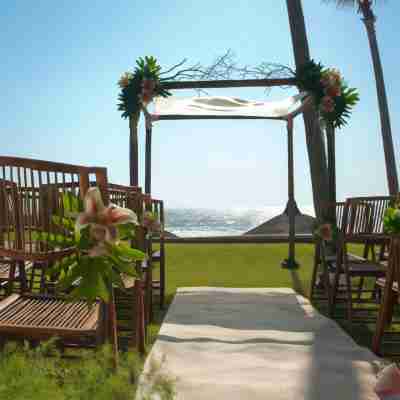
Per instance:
{"type": "Point", "coordinates": [333, 98]}
{"type": "Point", "coordinates": [133, 86]}
{"type": "Point", "coordinates": [361, 5]}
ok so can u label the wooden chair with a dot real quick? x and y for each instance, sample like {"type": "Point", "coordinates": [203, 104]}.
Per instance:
{"type": "Point", "coordinates": [390, 287]}
{"type": "Point", "coordinates": [325, 257]}
{"type": "Point", "coordinates": [158, 255]}
{"type": "Point", "coordinates": [363, 224]}
{"type": "Point", "coordinates": [38, 191]}
{"type": "Point", "coordinates": [320, 280]}
{"type": "Point", "coordinates": [11, 271]}
{"type": "Point", "coordinates": [132, 310]}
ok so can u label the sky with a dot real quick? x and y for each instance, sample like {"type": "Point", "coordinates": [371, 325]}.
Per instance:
{"type": "Point", "coordinates": [58, 93]}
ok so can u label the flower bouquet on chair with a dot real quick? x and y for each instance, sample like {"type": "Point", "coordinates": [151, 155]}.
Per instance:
{"type": "Point", "coordinates": [101, 255]}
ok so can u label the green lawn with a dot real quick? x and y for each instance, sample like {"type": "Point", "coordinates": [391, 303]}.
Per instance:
{"type": "Point", "coordinates": [236, 265]}
{"type": "Point", "coordinates": [31, 375]}
{"type": "Point", "coordinates": [244, 265]}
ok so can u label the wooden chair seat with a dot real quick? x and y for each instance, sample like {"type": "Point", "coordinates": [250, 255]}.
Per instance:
{"type": "Point", "coordinates": [352, 257]}
{"type": "Point", "coordinates": [365, 268]}
{"type": "Point", "coordinates": [39, 317]}
{"type": "Point", "coordinates": [331, 261]}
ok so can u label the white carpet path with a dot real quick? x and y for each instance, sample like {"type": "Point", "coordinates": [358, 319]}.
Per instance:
{"type": "Point", "coordinates": [268, 344]}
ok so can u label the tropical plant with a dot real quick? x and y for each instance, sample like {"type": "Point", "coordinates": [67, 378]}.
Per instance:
{"type": "Point", "coordinates": [365, 8]}
{"type": "Point", "coordinates": [100, 255]}
{"type": "Point", "coordinates": [391, 219]}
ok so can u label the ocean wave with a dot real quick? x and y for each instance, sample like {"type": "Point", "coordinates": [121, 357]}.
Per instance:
{"type": "Point", "coordinates": [196, 222]}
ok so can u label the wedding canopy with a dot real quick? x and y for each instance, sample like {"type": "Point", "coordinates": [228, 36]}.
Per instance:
{"type": "Point", "coordinates": [170, 108]}
{"type": "Point", "coordinates": [180, 108]}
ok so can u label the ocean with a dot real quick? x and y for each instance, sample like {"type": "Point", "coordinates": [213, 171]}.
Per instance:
{"type": "Point", "coordinates": [195, 222]}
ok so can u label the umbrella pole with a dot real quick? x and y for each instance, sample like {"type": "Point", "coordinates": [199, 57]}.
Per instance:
{"type": "Point", "coordinates": [290, 262]}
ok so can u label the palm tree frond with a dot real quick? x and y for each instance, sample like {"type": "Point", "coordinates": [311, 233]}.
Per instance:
{"type": "Point", "coordinates": [343, 3]}
{"type": "Point", "coordinates": [350, 3]}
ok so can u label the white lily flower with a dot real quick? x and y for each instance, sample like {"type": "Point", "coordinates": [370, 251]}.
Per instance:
{"type": "Point", "coordinates": [102, 219]}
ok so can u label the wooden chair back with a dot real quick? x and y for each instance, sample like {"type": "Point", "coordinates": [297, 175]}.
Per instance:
{"type": "Point", "coordinates": [32, 194]}
{"type": "Point", "coordinates": [335, 212]}
{"type": "Point", "coordinates": [339, 209]}
{"type": "Point", "coordinates": [364, 215]}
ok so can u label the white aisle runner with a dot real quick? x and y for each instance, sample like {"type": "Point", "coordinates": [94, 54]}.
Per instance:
{"type": "Point", "coordinates": [259, 344]}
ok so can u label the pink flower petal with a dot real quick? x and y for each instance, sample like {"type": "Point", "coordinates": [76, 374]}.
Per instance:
{"type": "Point", "coordinates": [93, 201]}
{"type": "Point", "coordinates": [118, 215]}
{"type": "Point", "coordinates": [388, 383]}
{"type": "Point", "coordinates": [82, 221]}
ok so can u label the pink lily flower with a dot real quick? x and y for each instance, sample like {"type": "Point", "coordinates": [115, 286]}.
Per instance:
{"type": "Point", "coordinates": [327, 104]}
{"type": "Point", "coordinates": [102, 220]}
{"type": "Point", "coordinates": [388, 383]}
{"type": "Point", "coordinates": [325, 232]}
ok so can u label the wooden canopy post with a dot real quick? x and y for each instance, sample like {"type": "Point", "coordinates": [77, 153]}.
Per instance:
{"type": "Point", "coordinates": [134, 150]}
{"type": "Point", "coordinates": [147, 182]}
{"type": "Point", "coordinates": [290, 262]}
{"type": "Point", "coordinates": [330, 139]}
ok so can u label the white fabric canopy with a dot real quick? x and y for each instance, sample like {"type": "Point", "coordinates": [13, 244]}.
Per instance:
{"type": "Point", "coordinates": [226, 108]}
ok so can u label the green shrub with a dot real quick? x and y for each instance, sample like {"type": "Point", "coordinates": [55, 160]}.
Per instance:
{"type": "Point", "coordinates": [41, 374]}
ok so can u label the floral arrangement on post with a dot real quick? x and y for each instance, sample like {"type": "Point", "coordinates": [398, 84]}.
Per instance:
{"type": "Point", "coordinates": [333, 99]}
{"type": "Point", "coordinates": [151, 222]}
{"type": "Point", "coordinates": [138, 88]}
{"type": "Point", "coordinates": [326, 231]}
{"type": "Point", "coordinates": [101, 256]}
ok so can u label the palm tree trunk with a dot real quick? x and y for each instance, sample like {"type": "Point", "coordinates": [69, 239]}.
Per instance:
{"type": "Point", "coordinates": [133, 150]}
{"type": "Point", "coordinates": [314, 137]}
{"type": "Point", "coordinates": [391, 171]}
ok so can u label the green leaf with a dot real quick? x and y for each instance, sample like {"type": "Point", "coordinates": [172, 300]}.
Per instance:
{"type": "Point", "coordinates": [74, 273]}
{"type": "Point", "coordinates": [122, 266]}
{"type": "Point", "coordinates": [65, 222]}
{"type": "Point", "coordinates": [91, 284]}
{"type": "Point", "coordinates": [85, 242]}
{"type": "Point", "coordinates": [116, 279]}
{"type": "Point", "coordinates": [126, 231]}
{"type": "Point", "coordinates": [123, 250]}
{"type": "Point", "coordinates": [71, 202]}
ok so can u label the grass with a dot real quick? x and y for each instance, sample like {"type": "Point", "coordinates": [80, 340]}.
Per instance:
{"type": "Point", "coordinates": [32, 375]}
{"type": "Point", "coordinates": [41, 373]}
